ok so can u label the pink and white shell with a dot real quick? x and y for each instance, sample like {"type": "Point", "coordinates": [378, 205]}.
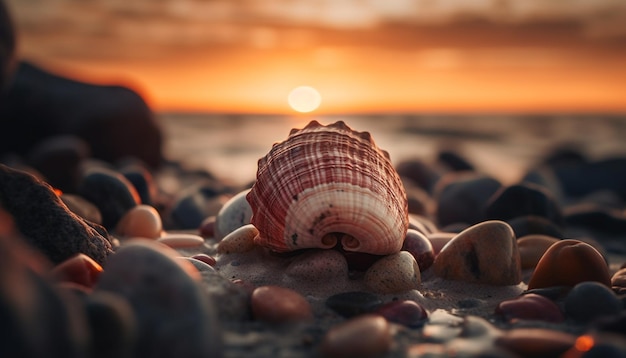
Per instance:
{"type": "Point", "coordinates": [329, 184]}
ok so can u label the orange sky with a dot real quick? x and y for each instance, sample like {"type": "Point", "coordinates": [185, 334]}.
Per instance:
{"type": "Point", "coordinates": [249, 64]}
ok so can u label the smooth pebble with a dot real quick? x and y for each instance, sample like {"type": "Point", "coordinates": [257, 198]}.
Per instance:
{"type": "Point", "coordinates": [194, 205]}
{"type": "Point", "coordinates": [181, 240]}
{"type": "Point", "coordinates": [111, 192]}
{"type": "Point", "coordinates": [461, 197]}
{"type": "Point", "coordinates": [366, 336]}
{"type": "Point", "coordinates": [235, 213]}
{"type": "Point", "coordinates": [353, 303]}
{"type": "Point", "coordinates": [418, 245]}
{"type": "Point", "coordinates": [530, 307]}
{"type": "Point", "coordinates": [277, 304]}
{"type": "Point", "coordinates": [483, 253]}
{"type": "Point", "coordinates": [536, 342]}
{"type": "Point", "coordinates": [618, 281]}
{"type": "Point", "coordinates": [439, 239]}
{"type": "Point", "coordinates": [393, 273]}
{"type": "Point", "coordinates": [112, 324]}
{"type": "Point", "coordinates": [174, 316]}
{"type": "Point", "coordinates": [405, 312]}
{"type": "Point", "coordinates": [141, 221]}
{"type": "Point", "coordinates": [80, 269]}
{"type": "Point", "coordinates": [141, 178]}
{"type": "Point", "coordinates": [591, 300]}
{"type": "Point", "coordinates": [567, 263]}
{"type": "Point", "coordinates": [239, 240]}
{"type": "Point", "coordinates": [209, 260]}
{"type": "Point", "coordinates": [199, 265]}
{"type": "Point", "coordinates": [532, 247]}
{"type": "Point", "coordinates": [207, 227]}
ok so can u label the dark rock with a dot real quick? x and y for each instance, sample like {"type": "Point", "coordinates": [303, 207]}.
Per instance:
{"type": "Point", "coordinates": [114, 120]}
{"type": "Point", "coordinates": [596, 218]}
{"type": "Point", "coordinates": [523, 200]}
{"type": "Point", "coordinates": [565, 155]}
{"type": "Point", "coordinates": [535, 225]}
{"type": "Point", "coordinates": [112, 324]}
{"type": "Point", "coordinates": [420, 203]}
{"type": "Point", "coordinates": [461, 197]}
{"type": "Point", "coordinates": [420, 173]}
{"type": "Point", "coordinates": [554, 293]}
{"type": "Point", "coordinates": [194, 206]}
{"type": "Point", "coordinates": [350, 304]}
{"type": "Point", "coordinates": [7, 47]}
{"type": "Point", "coordinates": [37, 319]}
{"type": "Point", "coordinates": [141, 178]}
{"type": "Point", "coordinates": [59, 160]}
{"type": "Point", "coordinates": [110, 192]}
{"type": "Point", "coordinates": [174, 317]}
{"type": "Point", "coordinates": [544, 177]}
{"type": "Point", "coordinates": [587, 177]}
{"type": "Point", "coordinates": [46, 222]}
{"type": "Point", "coordinates": [611, 324]}
{"type": "Point", "coordinates": [454, 161]}
{"type": "Point", "coordinates": [590, 300]}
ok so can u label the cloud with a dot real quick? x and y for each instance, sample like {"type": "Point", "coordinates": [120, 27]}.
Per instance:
{"type": "Point", "coordinates": [144, 28]}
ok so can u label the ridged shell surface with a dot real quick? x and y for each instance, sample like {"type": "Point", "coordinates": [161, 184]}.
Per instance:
{"type": "Point", "coordinates": [329, 184]}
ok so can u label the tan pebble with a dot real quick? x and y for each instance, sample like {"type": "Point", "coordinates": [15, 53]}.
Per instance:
{"type": "Point", "coordinates": [240, 240]}
{"type": "Point", "coordinates": [536, 342]}
{"type": "Point", "coordinates": [366, 336]}
{"type": "Point", "coordinates": [140, 221]}
{"type": "Point", "coordinates": [277, 304]}
{"type": "Point", "coordinates": [532, 247]}
{"type": "Point", "coordinates": [394, 273]}
{"type": "Point", "coordinates": [180, 240]}
{"type": "Point", "coordinates": [440, 239]}
{"type": "Point", "coordinates": [618, 281]}
{"type": "Point", "coordinates": [483, 253]}
{"type": "Point", "coordinates": [567, 263]}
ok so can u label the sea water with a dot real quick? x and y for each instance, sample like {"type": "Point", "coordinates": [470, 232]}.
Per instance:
{"type": "Point", "coordinates": [504, 146]}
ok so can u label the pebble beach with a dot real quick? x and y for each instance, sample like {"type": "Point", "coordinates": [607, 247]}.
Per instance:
{"type": "Point", "coordinates": [522, 257]}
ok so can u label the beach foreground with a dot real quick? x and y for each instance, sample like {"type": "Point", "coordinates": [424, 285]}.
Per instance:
{"type": "Point", "coordinates": [141, 261]}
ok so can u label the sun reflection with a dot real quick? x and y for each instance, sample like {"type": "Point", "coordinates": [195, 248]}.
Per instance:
{"type": "Point", "coordinates": [304, 99]}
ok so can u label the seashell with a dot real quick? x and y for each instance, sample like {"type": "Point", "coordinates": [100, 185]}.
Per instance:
{"type": "Point", "coordinates": [326, 185]}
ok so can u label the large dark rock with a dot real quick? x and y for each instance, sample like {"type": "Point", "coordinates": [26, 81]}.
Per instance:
{"type": "Point", "coordinates": [46, 223]}
{"type": "Point", "coordinates": [114, 120]}
{"type": "Point", "coordinates": [462, 196]}
{"type": "Point", "coordinates": [7, 47]}
{"type": "Point", "coordinates": [36, 318]}
{"type": "Point", "coordinates": [585, 178]}
{"type": "Point", "coordinates": [522, 200]}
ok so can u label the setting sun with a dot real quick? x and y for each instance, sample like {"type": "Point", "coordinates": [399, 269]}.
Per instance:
{"type": "Point", "coordinates": [304, 99]}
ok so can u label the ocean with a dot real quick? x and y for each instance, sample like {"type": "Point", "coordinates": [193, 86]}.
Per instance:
{"type": "Point", "coordinates": [504, 146]}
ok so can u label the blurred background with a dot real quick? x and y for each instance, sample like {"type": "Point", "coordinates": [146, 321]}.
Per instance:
{"type": "Point", "coordinates": [501, 81]}
{"type": "Point", "coordinates": [363, 56]}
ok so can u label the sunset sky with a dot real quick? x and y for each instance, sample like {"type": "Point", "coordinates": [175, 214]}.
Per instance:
{"type": "Point", "coordinates": [361, 55]}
